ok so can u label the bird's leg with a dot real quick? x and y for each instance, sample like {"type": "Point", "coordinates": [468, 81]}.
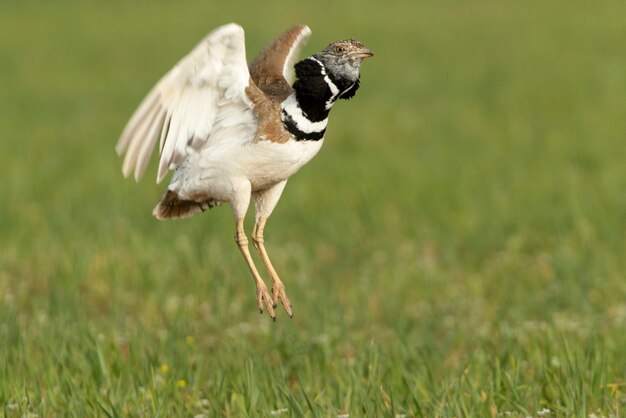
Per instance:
{"type": "Point", "coordinates": [262, 295]}
{"type": "Point", "coordinates": [278, 289]}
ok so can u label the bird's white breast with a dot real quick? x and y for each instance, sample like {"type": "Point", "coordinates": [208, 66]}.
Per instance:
{"type": "Point", "coordinates": [214, 171]}
{"type": "Point", "coordinates": [269, 162]}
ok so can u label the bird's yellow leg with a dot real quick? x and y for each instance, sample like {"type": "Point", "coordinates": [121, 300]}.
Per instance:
{"type": "Point", "coordinates": [278, 289]}
{"type": "Point", "coordinates": [262, 294]}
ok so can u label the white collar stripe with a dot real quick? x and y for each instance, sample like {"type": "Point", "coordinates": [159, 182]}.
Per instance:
{"type": "Point", "coordinates": [291, 108]}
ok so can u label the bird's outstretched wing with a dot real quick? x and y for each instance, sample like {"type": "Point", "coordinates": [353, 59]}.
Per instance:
{"type": "Point", "coordinates": [272, 69]}
{"type": "Point", "coordinates": [184, 105]}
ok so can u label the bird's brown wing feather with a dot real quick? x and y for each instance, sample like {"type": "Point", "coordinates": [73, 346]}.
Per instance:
{"type": "Point", "coordinates": [271, 69]}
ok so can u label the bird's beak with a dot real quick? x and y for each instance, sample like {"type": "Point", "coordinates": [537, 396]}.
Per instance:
{"type": "Point", "coordinates": [363, 53]}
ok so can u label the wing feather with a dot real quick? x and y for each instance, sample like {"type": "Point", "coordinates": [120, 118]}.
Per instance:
{"type": "Point", "coordinates": [148, 145]}
{"type": "Point", "coordinates": [183, 106]}
{"type": "Point", "coordinates": [139, 115]}
{"type": "Point", "coordinates": [296, 47]}
{"type": "Point", "coordinates": [135, 142]}
{"type": "Point", "coordinates": [272, 69]}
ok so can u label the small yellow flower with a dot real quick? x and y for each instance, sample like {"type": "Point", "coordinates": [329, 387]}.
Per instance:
{"type": "Point", "coordinates": [614, 388]}
{"type": "Point", "coordinates": [181, 383]}
{"type": "Point", "coordinates": [190, 340]}
{"type": "Point", "coordinates": [164, 368]}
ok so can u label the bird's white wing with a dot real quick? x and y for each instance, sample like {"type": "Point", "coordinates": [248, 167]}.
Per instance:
{"type": "Point", "coordinates": [183, 106]}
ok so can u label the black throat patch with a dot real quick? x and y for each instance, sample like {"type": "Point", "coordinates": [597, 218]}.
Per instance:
{"type": "Point", "coordinates": [312, 90]}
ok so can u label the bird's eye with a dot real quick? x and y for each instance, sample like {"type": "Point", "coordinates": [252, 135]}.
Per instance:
{"type": "Point", "coordinates": [340, 49]}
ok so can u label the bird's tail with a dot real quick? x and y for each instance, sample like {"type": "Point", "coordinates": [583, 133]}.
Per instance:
{"type": "Point", "coordinates": [172, 207]}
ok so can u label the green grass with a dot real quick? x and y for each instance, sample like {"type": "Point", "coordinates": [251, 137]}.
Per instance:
{"type": "Point", "coordinates": [458, 248]}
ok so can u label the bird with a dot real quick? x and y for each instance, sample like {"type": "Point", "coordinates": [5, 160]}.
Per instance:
{"type": "Point", "coordinates": [233, 132]}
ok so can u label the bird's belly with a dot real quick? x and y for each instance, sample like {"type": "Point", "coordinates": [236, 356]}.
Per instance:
{"type": "Point", "coordinates": [217, 173]}
{"type": "Point", "coordinates": [269, 163]}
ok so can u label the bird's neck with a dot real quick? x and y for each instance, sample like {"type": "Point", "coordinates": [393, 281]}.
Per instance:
{"type": "Point", "coordinates": [305, 112]}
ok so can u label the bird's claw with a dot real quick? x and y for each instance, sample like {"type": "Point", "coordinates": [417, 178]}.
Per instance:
{"type": "Point", "coordinates": [278, 290]}
{"type": "Point", "coordinates": [263, 298]}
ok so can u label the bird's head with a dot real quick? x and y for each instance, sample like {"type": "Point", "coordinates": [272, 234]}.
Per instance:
{"type": "Point", "coordinates": [343, 58]}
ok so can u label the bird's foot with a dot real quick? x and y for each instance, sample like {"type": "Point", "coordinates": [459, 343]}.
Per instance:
{"type": "Point", "coordinates": [263, 298]}
{"type": "Point", "coordinates": [278, 289]}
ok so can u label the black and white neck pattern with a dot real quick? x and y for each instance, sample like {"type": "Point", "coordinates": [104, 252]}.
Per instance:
{"type": "Point", "coordinates": [305, 112]}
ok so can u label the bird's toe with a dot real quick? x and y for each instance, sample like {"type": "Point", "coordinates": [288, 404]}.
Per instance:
{"type": "Point", "coordinates": [278, 290]}
{"type": "Point", "coordinates": [264, 301]}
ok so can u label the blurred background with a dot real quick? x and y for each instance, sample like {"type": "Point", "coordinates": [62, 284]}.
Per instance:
{"type": "Point", "coordinates": [456, 248]}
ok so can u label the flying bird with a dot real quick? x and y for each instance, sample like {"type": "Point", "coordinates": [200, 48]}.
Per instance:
{"type": "Point", "coordinates": [234, 131]}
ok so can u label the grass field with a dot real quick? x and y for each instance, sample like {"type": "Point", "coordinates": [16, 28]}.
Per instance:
{"type": "Point", "coordinates": [457, 248]}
